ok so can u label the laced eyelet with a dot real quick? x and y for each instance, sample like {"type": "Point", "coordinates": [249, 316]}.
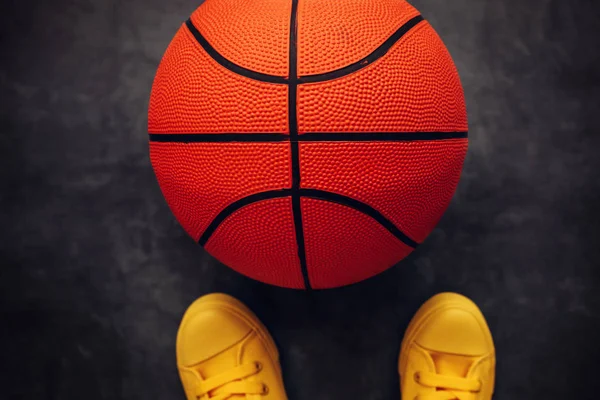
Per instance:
{"type": "Point", "coordinates": [417, 377]}
{"type": "Point", "coordinates": [480, 386]}
{"type": "Point", "coordinates": [265, 390]}
{"type": "Point", "coordinates": [258, 365]}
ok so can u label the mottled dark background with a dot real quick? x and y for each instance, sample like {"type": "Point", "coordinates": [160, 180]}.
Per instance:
{"type": "Point", "coordinates": [96, 273]}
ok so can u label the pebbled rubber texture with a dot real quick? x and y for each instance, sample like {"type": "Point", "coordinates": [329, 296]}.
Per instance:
{"type": "Point", "coordinates": [258, 32]}
{"type": "Point", "coordinates": [259, 241]}
{"type": "Point", "coordinates": [427, 173]}
{"type": "Point", "coordinates": [414, 87]}
{"type": "Point", "coordinates": [333, 36]}
{"type": "Point", "coordinates": [198, 180]}
{"type": "Point", "coordinates": [193, 93]}
{"type": "Point", "coordinates": [344, 246]}
{"type": "Point", "coordinates": [226, 74]}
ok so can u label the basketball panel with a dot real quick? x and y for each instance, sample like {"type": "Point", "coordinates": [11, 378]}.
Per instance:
{"type": "Point", "coordinates": [414, 87]}
{"type": "Point", "coordinates": [199, 180]}
{"type": "Point", "coordinates": [253, 34]}
{"type": "Point", "coordinates": [410, 183]}
{"type": "Point", "coordinates": [344, 246]}
{"type": "Point", "coordinates": [259, 241]}
{"type": "Point", "coordinates": [332, 35]}
{"type": "Point", "coordinates": [192, 93]}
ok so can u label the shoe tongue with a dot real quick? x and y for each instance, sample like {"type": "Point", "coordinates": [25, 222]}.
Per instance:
{"type": "Point", "coordinates": [216, 366]}
{"type": "Point", "coordinates": [452, 365]}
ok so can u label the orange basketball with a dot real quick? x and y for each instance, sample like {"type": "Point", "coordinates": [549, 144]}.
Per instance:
{"type": "Point", "coordinates": [307, 143]}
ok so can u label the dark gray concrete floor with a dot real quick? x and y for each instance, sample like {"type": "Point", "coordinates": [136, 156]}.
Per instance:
{"type": "Point", "coordinates": [96, 273]}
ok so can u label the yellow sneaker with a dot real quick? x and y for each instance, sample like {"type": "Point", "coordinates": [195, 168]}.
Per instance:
{"type": "Point", "coordinates": [224, 352]}
{"type": "Point", "coordinates": [447, 352]}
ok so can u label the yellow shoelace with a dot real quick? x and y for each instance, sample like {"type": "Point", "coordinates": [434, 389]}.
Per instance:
{"type": "Point", "coordinates": [231, 382]}
{"type": "Point", "coordinates": [449, 386]}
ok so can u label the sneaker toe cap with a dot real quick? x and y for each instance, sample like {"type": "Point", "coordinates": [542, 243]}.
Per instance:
{"type": "Point", "coordinates": [208, 329]}
{"type": "Point", "coordinates": [456, 330]}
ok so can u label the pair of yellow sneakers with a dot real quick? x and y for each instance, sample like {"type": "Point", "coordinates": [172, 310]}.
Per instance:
{"type": "Point", "coordinates": [225, 353]}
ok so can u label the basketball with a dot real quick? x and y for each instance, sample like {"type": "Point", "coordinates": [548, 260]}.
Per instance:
{"type": "Point", "coordinates": [307, 143]}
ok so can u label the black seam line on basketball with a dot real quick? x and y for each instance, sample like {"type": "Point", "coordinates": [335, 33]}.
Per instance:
{"type": "Point", "coordinates": [218, 137]}
{"type": "Point", "coordinates": [379, 136]}
{"type": "Point", "coordinates": [310, 193]}
{"type": "Point", "coordinates": [233, 207]}
{"type": "Point", "coordinates": [299, 228]}
{"type": "Point", "coordinates": [374, 56]}
{"type": "Point", "coordinates": [295, 156]}
{"type": "Point", "coordinates": [361, 207]}
{"type": "Point", "coordinates": [259, 76]}
{"type": "Point", "coordinates": [306, 137]}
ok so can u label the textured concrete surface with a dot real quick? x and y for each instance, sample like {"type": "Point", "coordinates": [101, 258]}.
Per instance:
{"type": "Point", "coordinates": [96, 273]}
